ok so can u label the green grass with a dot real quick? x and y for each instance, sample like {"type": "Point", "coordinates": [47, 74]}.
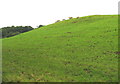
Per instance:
{"type": "Point", "coordinates": [76, 50]}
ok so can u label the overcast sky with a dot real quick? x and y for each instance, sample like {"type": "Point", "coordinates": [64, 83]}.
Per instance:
{"type": "Point", "coordinates": [44, 12]}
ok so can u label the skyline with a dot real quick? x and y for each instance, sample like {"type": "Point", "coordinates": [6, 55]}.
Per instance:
{"type": "Point", "coordinates": [44, 12]}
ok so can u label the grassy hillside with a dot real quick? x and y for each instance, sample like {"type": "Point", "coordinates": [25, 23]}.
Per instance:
{"type": "Point", "coordinates": [75, 50]}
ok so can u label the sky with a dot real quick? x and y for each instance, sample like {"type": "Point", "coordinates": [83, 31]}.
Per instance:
{"type": "Point", "coordinates": [44, 12]}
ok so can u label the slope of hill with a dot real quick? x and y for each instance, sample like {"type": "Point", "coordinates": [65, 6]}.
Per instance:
{"type": "Point", "coordinates": [75, 50]}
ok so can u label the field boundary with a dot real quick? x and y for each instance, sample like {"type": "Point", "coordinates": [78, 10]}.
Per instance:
{"type": "Point", "coordinates": [118, 39]}
{"type": "Point", "coordinates": [0, 56]}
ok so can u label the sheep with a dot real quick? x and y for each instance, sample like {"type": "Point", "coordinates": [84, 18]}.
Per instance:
{"type": "Point", "coordinates": [63, 19]}
{"type": "Point", "coordinates": [70, 17]}
{"type": "Point", "coordinates": [57, 21]}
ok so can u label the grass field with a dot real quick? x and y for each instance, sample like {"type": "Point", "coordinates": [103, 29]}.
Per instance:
{"type": "Point", "coordinates": [75, 50]}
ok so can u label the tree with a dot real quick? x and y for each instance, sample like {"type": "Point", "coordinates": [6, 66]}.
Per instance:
{"type": "Point", "coordinates": [12, 31]}
{"type": "Point", "coordinates": [39, 26]}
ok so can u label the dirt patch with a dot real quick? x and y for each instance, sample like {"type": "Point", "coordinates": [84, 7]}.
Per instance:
{"type": "Point", "coordinates": [118, 52]}
{"type": "Point", "coordinates": [69, 32]}
{"type": "Point", "coordinates": [87, 70]}
{"type": "Point", "coordinates": [75, 22]}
